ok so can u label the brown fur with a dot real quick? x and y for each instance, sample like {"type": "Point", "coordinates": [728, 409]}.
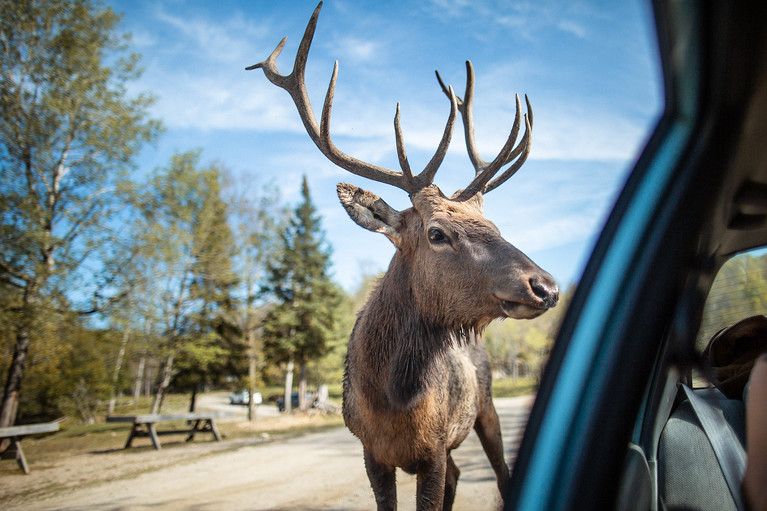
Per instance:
{"type": "Point", "coordinates": [417, 376]}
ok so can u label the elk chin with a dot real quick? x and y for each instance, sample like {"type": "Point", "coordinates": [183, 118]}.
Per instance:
{"type": "Point", "coordinates": [518, 310]}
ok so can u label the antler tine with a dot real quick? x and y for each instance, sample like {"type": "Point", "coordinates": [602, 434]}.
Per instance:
{"type": "Point", "coordinates": [427, 175]}
{"type": "Point", "coordinates": [407, 172]}
{"type": "Point", "coordinates": [524, 149]}
{"type": "Point", "coordinates": [465, 107]}
{"type": "Point", "coordinates": [522, 143]}
{"type": "Point", "coordinates": [484, 171]}
{"type": "Point", "coordinates": [295, 85]}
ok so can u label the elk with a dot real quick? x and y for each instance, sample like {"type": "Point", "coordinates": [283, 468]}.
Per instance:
{"type": "Point", "coordinates": [417, 377]}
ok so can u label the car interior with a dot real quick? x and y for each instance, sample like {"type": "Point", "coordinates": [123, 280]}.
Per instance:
{"type": "Point", "coordinates": [626, 416]}
{"type": "Point", "coordinates": [688, 451]}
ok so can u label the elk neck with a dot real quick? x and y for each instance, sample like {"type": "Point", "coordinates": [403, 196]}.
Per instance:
{"type": "Point", "coordinates": [397, 341]}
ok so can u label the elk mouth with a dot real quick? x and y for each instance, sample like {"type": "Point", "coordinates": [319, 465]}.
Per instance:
{"type": "Point", "coordinates": [520, 310]}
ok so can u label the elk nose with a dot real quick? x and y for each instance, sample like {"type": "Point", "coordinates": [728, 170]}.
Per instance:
{"type": "Point", "coordinates": [547, 292]}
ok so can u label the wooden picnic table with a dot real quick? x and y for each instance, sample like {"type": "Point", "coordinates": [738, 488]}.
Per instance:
{"type": "Point", "coordinates": [16, 433]}
{"type": "Point", "coordinates": [145, 425]}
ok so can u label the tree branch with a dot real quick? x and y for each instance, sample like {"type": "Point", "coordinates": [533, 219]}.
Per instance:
{"type": "Point", "coordinates": [14, 274]}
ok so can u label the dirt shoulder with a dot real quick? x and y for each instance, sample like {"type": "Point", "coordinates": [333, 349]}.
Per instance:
{"type": "Point", "coordinates": [72, 461]}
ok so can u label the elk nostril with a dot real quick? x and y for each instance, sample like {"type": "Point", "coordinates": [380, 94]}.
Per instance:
{"type": "Point", "coordinates": [548, 296]}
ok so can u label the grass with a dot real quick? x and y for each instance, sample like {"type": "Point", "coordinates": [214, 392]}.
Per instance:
{"type": "Point", "coordinates": [103, 436]}
{"type": "Point", "coordinates": [505, 387]}
{"type": "Point", "coordinates": [171, 403]}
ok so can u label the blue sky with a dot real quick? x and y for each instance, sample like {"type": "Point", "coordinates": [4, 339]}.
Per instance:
{"type": "Point", "coordinates": [589, 68]}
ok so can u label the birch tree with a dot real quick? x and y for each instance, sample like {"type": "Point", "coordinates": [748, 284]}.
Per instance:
{"type": "Point", "coordinates": [68, 135]}
{"type": "Point", "coordinates": [184, 250]}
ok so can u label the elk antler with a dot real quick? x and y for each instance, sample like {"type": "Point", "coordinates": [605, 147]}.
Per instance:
{"type": "Point", "coordinates": [485, 171]}
{"type": "Point", "coordinates": [295, 85]}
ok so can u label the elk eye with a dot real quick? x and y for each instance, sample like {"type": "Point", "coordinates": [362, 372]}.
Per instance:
{"type": "Point", "coordinates": [436, 235]}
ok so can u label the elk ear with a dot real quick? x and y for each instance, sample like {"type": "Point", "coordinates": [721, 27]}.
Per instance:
{"type": "Point", "coordinates": [368, 210]}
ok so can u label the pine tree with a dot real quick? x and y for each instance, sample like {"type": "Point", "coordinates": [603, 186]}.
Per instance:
{"type": "Point", "coordinates": [299, 326]}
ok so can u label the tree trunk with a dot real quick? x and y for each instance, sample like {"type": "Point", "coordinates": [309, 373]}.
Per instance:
{"type": "Point", "coordinates": [193, 400]}
{"type": "Point", "coordinates": [166, 372]}
{"type": "Point", "coordinates": [251, 382]}
{"type": "Point", "coordinates": [15, 375]}
{"type": "Point", "coordinates": [141, 364]}
{"type": "Point", "coordinates": [10, 404]}
{"type": "Point", "coordinates": [139, 378]}
{"type": "Point", "coordinates": [116, 374]}
{"type": "Point", "coordinates": [514, 361]}
{"type": "Point", "coordinates": [289, 385]}
{"type": "Point", "coordinates": [148, 378]}
{"type": "Point", "coordinates": [302, 405]}
{"type": "Point", "coordinates": [322, 394]}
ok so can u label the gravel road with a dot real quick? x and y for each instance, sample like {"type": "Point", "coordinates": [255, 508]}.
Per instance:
{"type": "Point", "coordinates": [319, 471]}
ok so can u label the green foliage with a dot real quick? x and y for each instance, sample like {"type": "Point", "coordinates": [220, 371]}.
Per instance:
{"type": "Point", "coordinates": [507, 387]}
{"type": "Point", "coordinates": [255, 220]}
{"type": "Point", "coordinates": [67, 371]}
{"type": "Point", "coordinates": [330, 366]}
{"type": "Point", "coordinates": [67, 130]}
{"type": "Point", "coordinates": [367, 285]}
{"type": "Point", "coordinates": [303, 321]}
{"type": "Point", "coordinates": [184, 249]}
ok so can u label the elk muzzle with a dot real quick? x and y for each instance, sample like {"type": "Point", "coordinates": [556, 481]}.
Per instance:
{"type": "Point", "coordinates": [530, 295]}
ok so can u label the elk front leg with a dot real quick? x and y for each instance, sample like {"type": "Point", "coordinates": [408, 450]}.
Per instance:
{"type": "Point", "coordinates": [488, 428]}
{"type": "Point", "coordinates": [383, 481]}
{"type": "Point", "coordinates": [451, 482]}
{"type": "Point", "coordinates": [430, 492]}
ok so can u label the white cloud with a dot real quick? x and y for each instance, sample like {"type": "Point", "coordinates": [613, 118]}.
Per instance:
{"type": "Point", "coordinates": [143, 38]}
{"type": "Point", "coordinates": [572, 27]}
{"type": "Point", "coordinates": [219, 39]}
{"type": "Point", "coordinates": [527, 19]}
{"type": "Point", "coordinates": [355, 49]}
{"type": "Point", "coordinates": [572, 134]}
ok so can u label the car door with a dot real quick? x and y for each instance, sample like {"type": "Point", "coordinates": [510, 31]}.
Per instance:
{"type": "Point", "coordinates": [684, 210]}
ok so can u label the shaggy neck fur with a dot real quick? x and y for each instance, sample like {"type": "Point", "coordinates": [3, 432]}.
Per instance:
{"type": "Point", "coordinates": [402, 344]}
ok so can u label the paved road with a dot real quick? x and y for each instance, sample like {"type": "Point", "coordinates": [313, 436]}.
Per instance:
{"type": "Point", "coordinates": [314, 472]}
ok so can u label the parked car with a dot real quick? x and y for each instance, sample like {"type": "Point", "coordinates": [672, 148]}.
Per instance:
{"type": "Point", "coordinates": [242, 398]}
{"type": "Point", "coordinates": [696, 197]}
{"type": "Point", "coordinates": [294, 401]}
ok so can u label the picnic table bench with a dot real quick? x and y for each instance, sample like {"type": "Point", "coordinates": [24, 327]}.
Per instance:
{"type": "Point", "coordinates": [145, 425]}
{"type": "Point", "coordinates": [16, 433]}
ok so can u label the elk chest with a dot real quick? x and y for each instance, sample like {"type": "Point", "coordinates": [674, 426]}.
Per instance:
{"type": "Point", "coordinates": [439, 419]}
